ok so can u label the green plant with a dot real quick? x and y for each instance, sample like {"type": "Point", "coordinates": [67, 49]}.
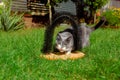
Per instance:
{"type": "Point", "coordinates": [1, 6]}
{"type": "Point", "coordinates": [116, 12]}
{"type": "Point", "coordinates": [87, 8]}
{"type": "Point", "coordinates": [9, 21]}
{"type": "Point", "coordinates": [23, 61]}
{"type": "Point", "coordinates": [111, 18]}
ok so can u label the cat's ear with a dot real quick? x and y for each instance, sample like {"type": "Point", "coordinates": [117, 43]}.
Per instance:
{"type": "Point", "coordinates": [58, 36]}
{"type": "Point", "coordinates": [69, 39]}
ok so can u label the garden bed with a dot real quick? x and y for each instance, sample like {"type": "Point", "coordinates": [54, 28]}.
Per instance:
{"type": "Point", "coordinates": [35, 21]}
{"type": "Point", "coordinates": [112, 27]}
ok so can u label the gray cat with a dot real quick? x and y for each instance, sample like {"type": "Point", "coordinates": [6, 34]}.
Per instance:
{"type": "Point", "coordinates": [71, 39]}
{"type": "Point", "coordinates": [65, 39]}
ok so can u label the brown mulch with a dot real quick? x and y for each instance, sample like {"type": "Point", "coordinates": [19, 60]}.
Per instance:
{"type": "Point", "coordinates": [111, 27]}
{"type": "Point", "coordinates": [114, 27]}
{"type": "Point", "coordinates": [35, 22]}
{"type": "Point", "coordinates": [63, 56]}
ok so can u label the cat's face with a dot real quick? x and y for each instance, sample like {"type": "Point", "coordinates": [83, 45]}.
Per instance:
{"type": "Point", "coordinates": [64, 42]}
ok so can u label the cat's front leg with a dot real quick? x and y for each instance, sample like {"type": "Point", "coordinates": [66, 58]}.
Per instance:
{"type": "Point", "coordinates": [68, 52]}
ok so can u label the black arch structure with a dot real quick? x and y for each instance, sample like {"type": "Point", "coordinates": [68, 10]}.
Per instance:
{"type": "Point", "coordinates": [57, 19]}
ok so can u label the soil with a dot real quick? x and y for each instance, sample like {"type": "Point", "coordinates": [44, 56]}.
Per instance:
{"type": "Point", "coordinates": [112, 27]}
{"type": "Point", "coordinates": [35, 21]}
{"type": "Point", "coordinates": [41, 21]}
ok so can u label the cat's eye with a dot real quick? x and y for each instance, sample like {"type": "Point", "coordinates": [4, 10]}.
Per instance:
{"type": "Point", "coordinates": [68, 39]}
{"type": "Point", "coordinates": [58, 38]}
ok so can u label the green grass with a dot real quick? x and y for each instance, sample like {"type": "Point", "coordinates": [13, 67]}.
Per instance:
{"type": "Point", "coordinates": [20, 58]}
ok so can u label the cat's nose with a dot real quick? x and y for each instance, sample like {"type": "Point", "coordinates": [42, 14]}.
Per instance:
{"type": "Point", "coordinates": [61, 51]}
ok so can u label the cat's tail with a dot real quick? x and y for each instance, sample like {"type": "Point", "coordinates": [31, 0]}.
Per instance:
{"type": "Point", "coordinates": [99, 24]}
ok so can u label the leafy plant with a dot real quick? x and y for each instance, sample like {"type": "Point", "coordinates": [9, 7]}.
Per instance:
{"type": "Point", "coordinates": [116, 12]}
{"type": "Point", "coordinates": [9, 21]}
{"type": "Point", "coordinates": [95, 4]}
{"type": "Point", "coordinates": [111, 18]}
{"type": "Point", "coordinates": [87, 8]}
{"type": "Point", "coordinates": [56, 2]}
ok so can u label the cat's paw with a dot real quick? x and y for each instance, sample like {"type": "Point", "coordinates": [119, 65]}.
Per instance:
{"type": "Point", "coordinates": [68, 53]}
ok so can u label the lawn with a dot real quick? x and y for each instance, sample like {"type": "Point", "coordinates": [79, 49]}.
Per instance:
{"type": "Point", "coordinates": [20, 58]}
